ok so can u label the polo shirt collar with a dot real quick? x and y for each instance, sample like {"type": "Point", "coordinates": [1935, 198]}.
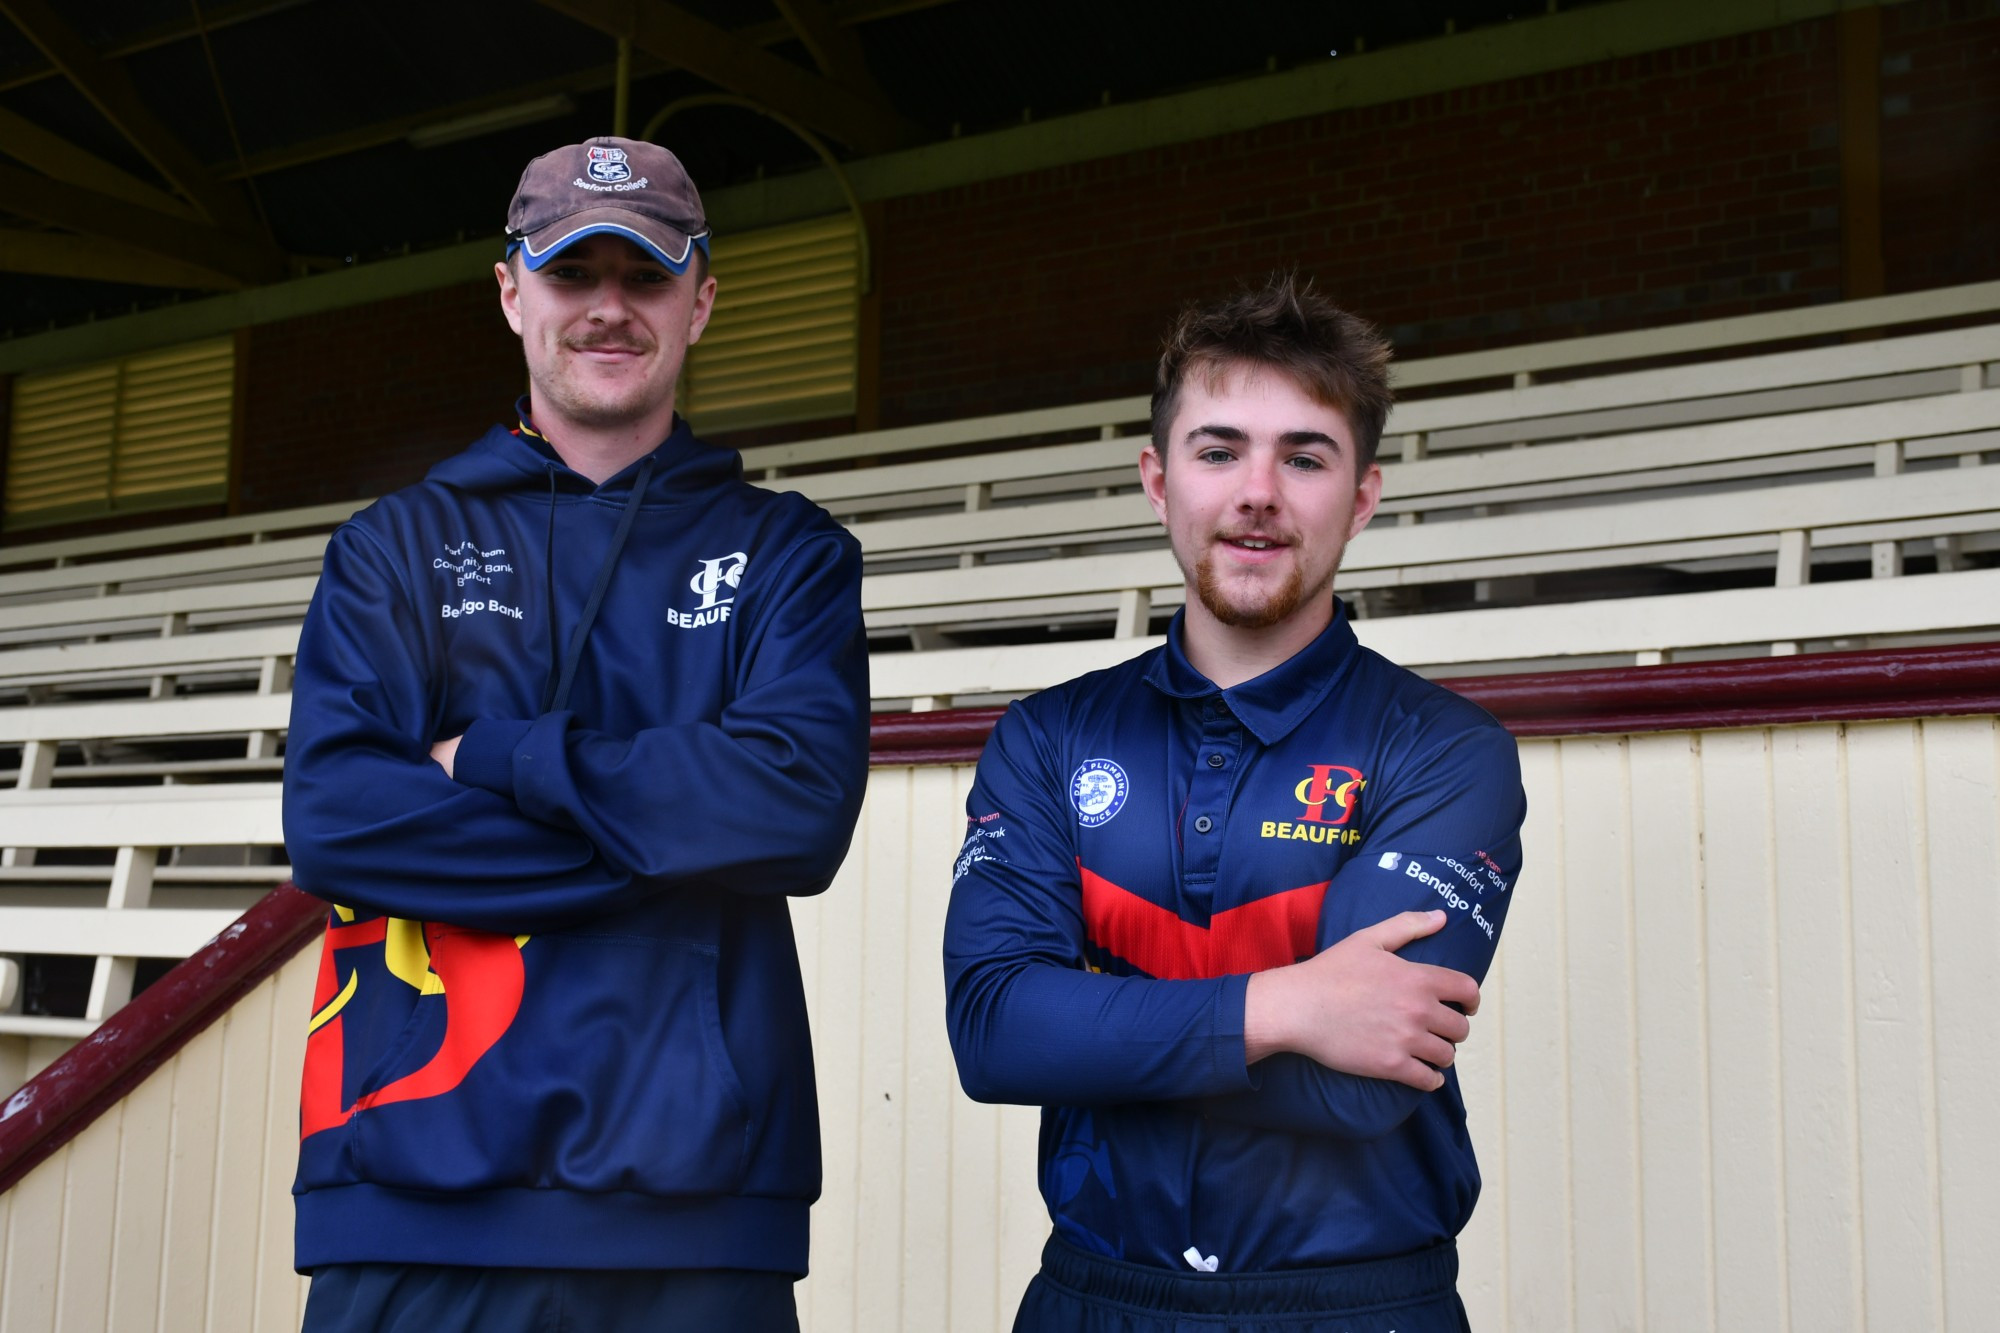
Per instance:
{"type": "Point", "coordinates": [1272, 704]}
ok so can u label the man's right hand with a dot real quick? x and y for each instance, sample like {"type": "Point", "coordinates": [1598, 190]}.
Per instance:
{"type": "Point", "coordinates": [1360, 1009]}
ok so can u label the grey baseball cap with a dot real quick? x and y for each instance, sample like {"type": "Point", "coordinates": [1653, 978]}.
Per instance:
{"type": "Point", "coordinates": [607, 186]}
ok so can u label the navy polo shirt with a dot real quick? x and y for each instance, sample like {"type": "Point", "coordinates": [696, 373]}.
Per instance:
{"type": "Point", "coordinates": [1137, 843]}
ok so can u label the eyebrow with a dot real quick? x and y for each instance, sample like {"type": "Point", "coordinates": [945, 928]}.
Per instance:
{"type": "Point", "coordinates": [1236, 435]}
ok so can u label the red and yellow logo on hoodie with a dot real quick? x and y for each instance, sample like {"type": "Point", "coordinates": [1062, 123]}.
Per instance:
{"type": "Point", "coordinates": [479, 975]}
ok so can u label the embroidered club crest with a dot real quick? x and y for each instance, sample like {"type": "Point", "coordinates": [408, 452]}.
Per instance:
{"type": "Point", "coordinates": [607, 165]}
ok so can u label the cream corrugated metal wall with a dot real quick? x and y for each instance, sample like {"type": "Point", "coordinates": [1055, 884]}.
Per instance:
{"type": "Point", "coordinates": [1728, 1073]}
{"type": "Point", "coordinates": [173, 1211]}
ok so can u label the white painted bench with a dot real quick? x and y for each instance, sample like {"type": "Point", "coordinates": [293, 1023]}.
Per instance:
{"type": "Point", "coordinates": [284, 558]}
{"type": "Point", "coordinates": [46, 731]}
{"type": "Point", "coordinates": [1785, 524]}
{"type": "Point", "coordinates": [1729, 453]}
{"type": "Point", "coordinates": [1934, 608]}
{"type": "Point", "coordinates": [173, 611]}
{"type": "Point", "coordinates": [1072, 479]}
{"type": "Point", "coordinates": [255, 658]}
{"type": "Point", "coordinates": [167, 537]}
{"type": "Point", "coordinates": [1519, 365]}
{"type": "Point", "coordinates": [125, 924]}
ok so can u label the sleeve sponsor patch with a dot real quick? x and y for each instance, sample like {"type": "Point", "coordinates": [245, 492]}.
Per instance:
{"type": "Point", "coordinates": [1459, 886]}
{"type": "Point", "coordinates": [982, 843]}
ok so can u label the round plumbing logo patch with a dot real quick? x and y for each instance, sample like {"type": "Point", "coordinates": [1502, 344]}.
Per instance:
{"type": "Point", "coordinates": [1097, 789]}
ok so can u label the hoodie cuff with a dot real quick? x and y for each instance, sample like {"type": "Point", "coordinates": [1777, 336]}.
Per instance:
{"type": "Point", "coordinates": [486, 755]}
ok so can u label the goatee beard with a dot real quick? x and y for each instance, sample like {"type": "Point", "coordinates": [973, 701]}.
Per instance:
{"type": "Point", "coordinates": [1278, 606]}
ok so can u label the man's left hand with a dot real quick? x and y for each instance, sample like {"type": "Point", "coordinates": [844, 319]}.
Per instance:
{"type": "Point", "coordinates": [446, 751]}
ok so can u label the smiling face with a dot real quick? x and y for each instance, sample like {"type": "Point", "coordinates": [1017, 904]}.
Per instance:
{"type": "Point", "coordinates": [1259, 497]}
{"type": "Point", "coordinates": [605, 328]}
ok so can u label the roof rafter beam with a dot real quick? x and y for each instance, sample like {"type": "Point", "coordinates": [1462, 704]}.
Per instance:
{"type": "Point", "coordinates": [671, 33]}
{"type": "Point", "coordinates": [92, 214]}
{"type": "Point", "coordinates": [110, 90]}
{"type": "Point", "coordinates": [833, 47]}
{"type": "Point", "coordinates": [848, 13]}
{"type": "Point", "coordinates": [214, 17]}
{"type": "Point", "coordinates": [29, 143]}
{"type": "Point", "coordinates": [377, 133]}
{"type": "Point", "coordinates": [58, 255]}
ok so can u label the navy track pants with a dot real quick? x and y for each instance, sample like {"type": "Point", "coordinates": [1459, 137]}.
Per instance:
{"type": "Point", "coordinates": [419, 1298]}
{"type": "Point", "coordinates": [1077, 1292]}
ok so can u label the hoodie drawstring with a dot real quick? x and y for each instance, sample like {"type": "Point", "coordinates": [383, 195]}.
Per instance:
{"type": "Point", "coordinates": [558, 693]}
{"type": "Point", "coordinates": [549, 586]}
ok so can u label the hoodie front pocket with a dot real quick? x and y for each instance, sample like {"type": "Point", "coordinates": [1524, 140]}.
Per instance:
{"type": "Point", "coordinates": [611, 1075]}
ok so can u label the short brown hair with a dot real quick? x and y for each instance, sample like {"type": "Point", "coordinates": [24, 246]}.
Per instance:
{"type": "Point", "coordinates": [1339, 359]}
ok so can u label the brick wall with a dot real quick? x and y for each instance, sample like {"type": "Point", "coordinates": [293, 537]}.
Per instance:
{"type": "Point", "coordinates": [1684, 184]}
{"type": "Point", "coordinates": [355, 402]}
{"type": "Point", "coordinates": [1941, 143]}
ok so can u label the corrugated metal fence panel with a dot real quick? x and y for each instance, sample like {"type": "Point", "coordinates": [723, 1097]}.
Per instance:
{"type": "Point", "coordinates": [930, 1217]}
{"type": "Point", "coordinates": [1727, 1073]}
{"type": "Point", "coordinates": [784, 340]}
{"type": "Point", "coordinates": [173, 1210]}
{"type": "Point", "coordinates": [1724, 1075]}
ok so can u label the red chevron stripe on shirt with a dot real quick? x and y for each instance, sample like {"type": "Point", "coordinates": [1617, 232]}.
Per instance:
{"type": "Point", "coordinates": [1271, 932]}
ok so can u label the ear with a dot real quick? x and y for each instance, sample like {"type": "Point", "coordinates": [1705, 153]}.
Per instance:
{"type": "Point", "coordinates": [510, 296]}
{"type": "Point", "coordinates": [1153, 476]}
{"type": "Point", "coordinates": [1366, 496]}
{"type": "Point", "coordinates": [704, 306]}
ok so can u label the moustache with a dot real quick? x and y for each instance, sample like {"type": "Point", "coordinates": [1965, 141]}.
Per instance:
{"type": "Point", "coordinates": [1258, 534]}
{"type": "Point", "coordinates": [640, 346]}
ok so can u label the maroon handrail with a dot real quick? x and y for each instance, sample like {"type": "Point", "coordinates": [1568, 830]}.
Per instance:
{"type": "Point", "coordinates": [84, 1082]}
{"type": "Point", "coordinates": [1764, 691]}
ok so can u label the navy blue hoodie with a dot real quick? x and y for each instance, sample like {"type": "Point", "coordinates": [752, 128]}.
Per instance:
{"type": "Point", "coordinates": [559, 1021]}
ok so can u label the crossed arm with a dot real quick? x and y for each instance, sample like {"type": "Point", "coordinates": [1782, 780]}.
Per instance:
{"type": "Point", "coordinates": [555, 822]}
{"type": "Point", "coordinates": [1346, 1042]}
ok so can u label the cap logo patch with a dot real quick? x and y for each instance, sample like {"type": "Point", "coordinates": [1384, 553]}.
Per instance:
{"type": "Point", "coordinates": [608, 164]}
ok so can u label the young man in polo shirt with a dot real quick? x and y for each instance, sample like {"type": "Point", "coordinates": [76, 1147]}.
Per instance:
{"type": "Point", "coordinates": [1222, 910]}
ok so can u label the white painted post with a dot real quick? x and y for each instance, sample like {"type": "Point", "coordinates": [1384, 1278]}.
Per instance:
{"type": "Point", "coordinates": [171, 624]}
{"type": "Point", "coordinates": [131, 890]}
{"type": "Point", "coordinates": [1885, 559]}
{"type": "Point", "coordinates": [273, 677]}
{"type": "Point", "coordinates": [1135, 609]}
{"type": "Point", "coordinates": [38, 762]}
{"type": "Point", "coordinates": [1794, 559]}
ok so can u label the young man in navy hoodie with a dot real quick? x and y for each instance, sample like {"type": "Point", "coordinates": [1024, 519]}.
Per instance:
{"type": "Point", "coordinates": [572, 718]}
{"type": "Point", "coordinates": [1222, 910]}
